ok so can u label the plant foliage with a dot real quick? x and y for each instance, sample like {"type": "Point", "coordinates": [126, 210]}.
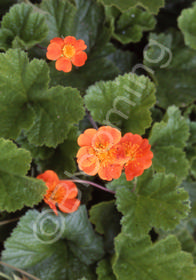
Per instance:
{"type": "Point", "coordinates": [133, 71]}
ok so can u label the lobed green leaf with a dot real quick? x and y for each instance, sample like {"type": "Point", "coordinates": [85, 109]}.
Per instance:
{"type": "Point", "coordinates": [173, 130]}
{"type": "Point", "coordinates": [61, 247]}
{"type": "Point", "coordinates": [124, 102]}
{"type": "Point", "coordinates": [130, 25]}
{"type": "Point", "coordinates": [168, 138]}
{"type": "Point", "coordinates": [16, 189]}
{"type": "Point", "coordinates": [59, 15]}
{"type": "Point", "coordinates": [155, 202]}
{"type": "Point", "coordinates": [171, 61]}
{"type": "Point", "coordinates": [139, 259]}
{"type": "Point", "coordinates": [104, 270]}
{"type": "Point", "coordinates": [106, 219]}
{"type": "Point", "coordinates": [153, 5]}
{"type": "Point", "coordinates": [187, 24]}
{"type": "Point", "coordinates": [22, 27]}
{"type": "Point", "coordinates": [27, 103]}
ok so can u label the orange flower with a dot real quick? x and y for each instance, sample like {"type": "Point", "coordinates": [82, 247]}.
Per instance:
{"type": "Point", "coordinates": [139, 156]}
{"type": "Point", "coordinates": [66, 52]}
{"type": "Point", "coordinates": [60, 192]}
{"type": "Point", "coordinates": [100, 153]}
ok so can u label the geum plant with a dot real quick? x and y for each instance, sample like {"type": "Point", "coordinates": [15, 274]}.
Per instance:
{"type": "Point", "coordinates": [97, 163]}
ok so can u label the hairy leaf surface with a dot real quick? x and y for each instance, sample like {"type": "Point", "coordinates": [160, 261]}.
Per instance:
{"type": "Point", "coordinates": [174, 63]}
{"type": "Point", "coordinates": [139, 259]}
{"type": "Point", "coordinates": [22, 27]}
{"type": "Point", "coordinates": [168, 138]}
{"type": "Point", "coordinates": [130, 25]}
{"type": "Point", "coordinates": [64, 254]}
{"type": "Point", "coordinates": [155, 202]}
{"type": "Point", "coordinates": [16, 189]}
{"type": "Point", "coordinates": [106, 219]}
{"type": "Point", "coordinates": [104, 270]}
{"type": "Point", "coordinates": [187, 24]}
{"type": "Point", "coordinates": [124, 102]}
{"type": "Point", "coordinates": [27, 103]}
{"type": "Point", "coordinates": [153, 5]}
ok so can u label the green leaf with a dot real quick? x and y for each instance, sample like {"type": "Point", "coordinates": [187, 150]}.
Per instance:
{"type": "Point", "coordinates": [59, 16]}
{"type": "Point", "coordinates": [190, 187]}
{"type": "Point", "coordinates": [124, 102]}
{"type": "Point", "coordinates": [131, 24]}
{"type": "Point", "coordinates": [170, 159]}
{"type": "Point", "coordinates": [62, 158]}
{"type": "Point", "coordinates": [95, 69]}
{"type": "Point", "coordinates": [168, 138]}
{"type": "Point", "coordinates": [173, 130]}
{"type": "Point", "coordinates": [155, 202]}
{"type": "Point", "coordinates": [6, 37]}
{"type": "Point", "coordinates": [192, 139]}
{"type": "Point", "coordinates": [106, 219]}
{"type": "Point", "coordinates": [121, 182]}
{"type": "Point", "coordinates": [38, 153]}
{"type": "Point", "coordinates": [187, 241]}
{"type": "Point", "coordinates": [16, 189]}
{"type": "Point", "coordinates": [187, 24]}
{"type": "Point", "coordinates": [54, 115]}
{"type": "Point", "coordinates": [85, 243]}
{"type": "Point", "coordinates": [153, 5]}
{"type": "Point", "coordinates": [104, 270]}
{"type": "Point", "coordinates": [84, 19]}
{"type": "Point", "coordinates": [88, 21]}
{"type": "Point", "coordinates": [124, 60]}
{"type": "Point", "coordinates": [46, 114]}
{"type": "Point", "coordinates": [61, 247]}
{"type": "Point", "coordinates": [17, 114]}
{"type": "Point", "coordinates": [139, 259]}
{"type": "Point", "coordinates": [22, 27]}
{"type": "Point", "coordinates": [193, 168]}
{"type": "Point", "coordinates": [174, 63]}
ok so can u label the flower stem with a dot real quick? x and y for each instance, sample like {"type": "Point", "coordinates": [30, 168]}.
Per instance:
{"type": "Point", "coordinates": [5, 276]}
{"type": "Point", "coordinates": [92, 184]}
{"type": "Point", "coordinates": [19, 270]}
{"type": "Point", "coordinates": [39, 46]}
{"type": "Point", "coordinates": [91, 119]}
{"type": "Point", "coordinates": [8, 221]}
{"type": "Point", "coordinates": [135, 184]}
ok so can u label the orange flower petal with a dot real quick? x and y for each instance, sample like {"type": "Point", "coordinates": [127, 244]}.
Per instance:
{"type": "Point", "coordinates": [49, 177]}
{"type": "Point", "coordinates": [85, 139]}
{"type": "Point", "coordinates": [84, 151]}
{"type": "Point", "coordinates": [53, 51]}
{"type": "Point", "coordinates": [89, 163]}
{"type": "Point", "coordinates": [132, 171]}
{"type": "Point", "coordinates": [80, 45]}
{"type": "Point", "coordinates": [110, 171]}
{"type": "Point", "coordinates": [116, 134]}
{"type": "Point", "coordinates": [63, 64]}
{"type": "Point", "coordinates": [131, 138]}
{"type": "Point", "coordinates": [70, 40]}
{"type": "Point", "coordinates": [105, 138]}
{"type": "Point", "coordinates": [52, 205]}
{"type": "Point", "coordinates": [71, 189]}
{"type": "Point", "coordinates": [79, 58]}
{"type": "Point", "coordinates": [58, 41]}
{"type": "Point", "coordinates": [69, 206]}
{"type": "Point", "coordinates": [138, 154]}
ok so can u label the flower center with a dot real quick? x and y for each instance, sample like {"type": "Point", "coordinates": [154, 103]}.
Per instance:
{"type": "Point", "coordinates": [131, 150]}
{"type": "Point", "coordinates": [102, 142]}
{"type": "Point", "coordinates": [69, 51]}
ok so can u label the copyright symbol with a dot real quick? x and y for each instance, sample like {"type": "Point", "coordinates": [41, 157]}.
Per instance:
{"type": "Point", "coordinates": [48, 228]}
